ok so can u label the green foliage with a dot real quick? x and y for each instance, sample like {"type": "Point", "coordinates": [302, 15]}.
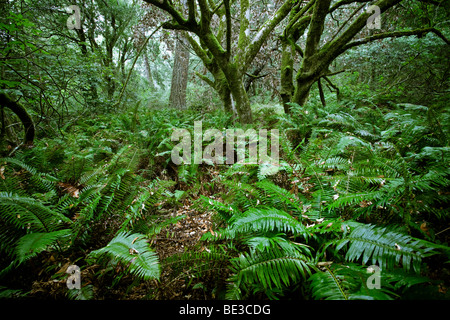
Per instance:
{"type": "Point", "coordinates": [134, 253]}
{"type": "Point", "coordinates": [345, 282]}
{"type": "Point", "coordinates": [383, 247]}
{"type": "Point", "coordinates": [261, 220]}
{"type": "Point", "coordinates": [266, 270]}
{"type": "Point", "coordinates": [31, 244]}
{"type": "Point", "coordinates": [353, 188]}
{"type": "Point", "coordinates": [24, 212]}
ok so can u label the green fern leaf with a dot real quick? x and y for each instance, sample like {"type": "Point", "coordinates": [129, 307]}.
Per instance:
{"type": "Point", "coordinates": [387, 248]}
{"type": "Point", "coordinates": [347, 282]}
{"type": "Point", "coordinates": [133, 251]}
{"type": "Point", "coordinates": [84, 293]}
{"type": "Point", "coordinates": [257, 220]}
{"type": "Point", "coordinates": [327, 285]}
{"type": "Point", "coordinates": [28, 212]}
{"type": "Point", "coordinates": [278, 197]}
{"type": "Point", "coordinates": [31, 244]}
{"type": "Point", "coordinates": [269, 269]}
{"type": "Point", "coordinates": [42, 181]}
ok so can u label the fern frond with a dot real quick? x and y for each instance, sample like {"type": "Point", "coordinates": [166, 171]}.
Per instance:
{"type": "Point", "coordinates": [278, 197]}
{"type": "Point", "coordinates": [213, 258]}
{"type": "Point", "coordinates": [133, 251]}
{"type": "Point", "coordinates": [31, 244]}
{"type": "Point", "coordinates": [327, 285]}
{"type": "Point", "coordinates": [268, 241]}
{"type": "Point", "coordinates": [269, 269]}
{"type": "Point", "coordinates": [222, 209]}
{"type": "Point", "coordinates": [42, 181]}
{"type": "Point", "coordinates": [27, 212]}
{"type": "Point", "coordinates": [347, 282]}
{"type": "Point", "coordinates": [260, 220]}
{"type": "Point", "coordinates": [84, 293]}
{"type": "Point", "coordinates": [385, 248]}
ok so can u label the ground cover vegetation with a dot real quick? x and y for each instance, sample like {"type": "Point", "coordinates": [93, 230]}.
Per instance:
{"type": "Point", "coordinates": [361, 189]}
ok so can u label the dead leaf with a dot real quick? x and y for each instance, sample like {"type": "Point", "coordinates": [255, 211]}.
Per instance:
{"type": "Point", "coordinates": [424, 228]}
{"type": "Point", "coordinates": [68, 188]}
{"type": "Point", "coordinates": [2, 169]}
{"type": "Point", "coordinates": [133, 251]}
{"type": "Point", "coordinates": [324, 263]}
{"type": "Point", "coordinates": [365, 203]}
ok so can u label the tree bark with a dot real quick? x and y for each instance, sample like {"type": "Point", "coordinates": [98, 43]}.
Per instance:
{"type": "Point", "coordinates": [148, 72]}
{"type": "Point", "coordinates": [22, 114]}
{"type": "Point", "coordinates": [316, 59]}
{"type": "Point", "coordinates": [287, 75]}
{"type": "Point", "coordinates": [233, 67]}
{"type": "Point", "coordinates": [179, 74]}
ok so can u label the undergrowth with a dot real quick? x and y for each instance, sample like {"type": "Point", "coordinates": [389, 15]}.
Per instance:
{"type": "Point", "coordinates": [359, 187]}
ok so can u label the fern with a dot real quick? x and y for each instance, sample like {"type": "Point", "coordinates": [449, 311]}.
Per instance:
{"type": "Point", "coordinates": [385, 248]}
{"type": "Point", "coordinates": [327, 285]}
{"type": "Point", "coordinates": [278, 197]}
{"type": "Point", "coordinates": [267, 270]}
{"type": "Point", "coordinates": [31, 244]}
{"type": "Point", "coordinates": [222, 209]}
{"type": "Point", "coordinates": [199, 263]}
{"type": "Point", "coordinates": [348, 282]}
{"type": "Point", "coordinates": [36, 180]}
{"type": "Point", "coordinates": [84, 293]}
{"type": "Point", "coordinates": [134, 253]}
{"type": "Point", "coordinates": [25, 212]}
{"type": "Point", "coordinates": [261, 220]}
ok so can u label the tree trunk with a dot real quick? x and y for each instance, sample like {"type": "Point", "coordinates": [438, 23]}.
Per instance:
{"type": "Point", "coordinates": [224, 93]}
{"type": "Point", "coordinates": [148, 71]}
{"type": "Point", "coordinates": [179, 74]}
{"type": "Point", "coordinates": [286, 75]}
{"type": "Point", "coordinates": [302, 90]}
{"type": "Point", "coordinates": [240, 97]}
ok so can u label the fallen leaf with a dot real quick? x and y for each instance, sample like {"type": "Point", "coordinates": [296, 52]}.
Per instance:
{"type": "Point", "coordinates": [133, 251]}
{"type": "Point", "coordinates": [365, 203]}
{"type": "Point", "coordinates": [324, 263]}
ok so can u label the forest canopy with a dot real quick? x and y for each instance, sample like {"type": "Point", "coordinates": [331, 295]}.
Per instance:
{"type": "Point", "coordinates": [348, 97]}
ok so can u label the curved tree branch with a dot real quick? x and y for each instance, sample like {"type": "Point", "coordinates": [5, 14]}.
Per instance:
{"type": "Point", "coordinates": [23, 115]}
{"type": "Point", "coordinates": [395, 34]}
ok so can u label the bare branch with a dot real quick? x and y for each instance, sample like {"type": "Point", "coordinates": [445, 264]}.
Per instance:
{"type": "Point", "coordinates": [395, 34]}
{"type": "Point", "coordinates": [345, 2]}
{"type": "Point", "coordinates": [228, 22]}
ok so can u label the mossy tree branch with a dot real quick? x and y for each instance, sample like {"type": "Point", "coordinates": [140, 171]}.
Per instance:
{"type": "Point", "coordinates": [232, 68]}
{"type": "Point", "coordinates": [22, 114]}
{"type": "Point", "coordinates": [395, 34]}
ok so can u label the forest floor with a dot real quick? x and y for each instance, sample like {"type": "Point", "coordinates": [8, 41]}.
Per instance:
{"type": "Point", "coordinates": [44, 276]}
